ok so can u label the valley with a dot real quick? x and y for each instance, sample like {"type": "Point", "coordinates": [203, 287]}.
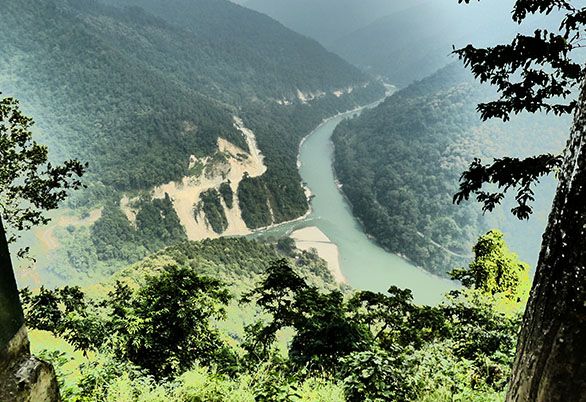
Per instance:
{"type": "Point", "coordinates": [363, 263]}
{"type": "Point", "coordinates": [292, 201]}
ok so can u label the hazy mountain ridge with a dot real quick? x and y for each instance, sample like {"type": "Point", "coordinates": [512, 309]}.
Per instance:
{"type": "Point", "coordinates": [413, 43]}
{"type": "Point", "coordinates": [327, 20]}
{"type": "Point", "coordinates": [401, 40]}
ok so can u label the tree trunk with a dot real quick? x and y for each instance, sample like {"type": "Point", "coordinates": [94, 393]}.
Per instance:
{"type": "Point", "coordinates": [23, 377]}
{"type": "Point", "coordinates": [550, 364]}
{"type": "Point", "coordinates": [11, 317]}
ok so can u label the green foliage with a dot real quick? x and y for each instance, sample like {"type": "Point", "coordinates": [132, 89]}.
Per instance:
{"type": "Point", "coordinates": [253, 201]}
{"type": "Point", "coordinates": [157, 226]}
{"type": "Point", "coordinates": [483, 335]}
{"type": "Point", "coordinates": [114, 237]}
{"type": "Point", "coordinates": [381, 344]}
{"type": "Point", "coordinates": [166, 326]}
{"type": "Point", "coordinates": [440, 376]}
{"type": "Point", "coordinates": [213, 209]}
{"type": "Point", "coordinates": [109, 380]}
{"type": "Point", "coordinates": [393, 318]}
{"type": "Point", "coordinates": [227, 194]}
{"type": "Point", "coordinates": [29, 184]}
{"type": "Point", "coordinates": [323, 332]}
{"type": "Point", "coordinates": [495, 269]}
{"type": "Point", "coordinates": [400, 163]}
{"type": "Point", "coordinates": [163, 327]}
{"type": "Point", "coordinates": [158, 223]}
{"type": "Point", "coordinates": [376, 376]}
{"type": "Point", "coordinates": [168, 338]}
{"type": "Point", "coordinates": [66, 313]}
{"type": "Point", "coordinates": [156, 312]}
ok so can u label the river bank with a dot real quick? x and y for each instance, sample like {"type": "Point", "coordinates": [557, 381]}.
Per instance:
{"type": "Point", "coordinates": [311, 238]}
{"type": "Point", "coordinates": [363, 263]}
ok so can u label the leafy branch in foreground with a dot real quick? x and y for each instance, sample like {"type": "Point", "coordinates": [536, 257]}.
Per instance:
{"type": "Point", "coordinates": [506, 173]}
{"type": "Point", "coordinates": [535, 74]}
{"type": "Point", "coordinates": [29, 184]}
{"type": "Point", "coordinates": [547, 74]}
{"type": "Point", "coordinates": [540, 73]}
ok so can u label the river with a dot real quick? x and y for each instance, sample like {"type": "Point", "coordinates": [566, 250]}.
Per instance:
{"type": "Point", "coordinates": [364, 263]}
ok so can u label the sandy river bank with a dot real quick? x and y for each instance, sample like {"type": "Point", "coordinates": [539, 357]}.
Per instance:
{"type": "Point", "coordinates": [313, 238]}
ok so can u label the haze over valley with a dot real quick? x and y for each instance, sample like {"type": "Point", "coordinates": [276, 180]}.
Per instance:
{"type": "Point", "coordinates": [289, 200]}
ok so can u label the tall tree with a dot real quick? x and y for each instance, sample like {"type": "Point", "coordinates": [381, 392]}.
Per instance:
{"type": "Point", "coordinates": [538, 73]}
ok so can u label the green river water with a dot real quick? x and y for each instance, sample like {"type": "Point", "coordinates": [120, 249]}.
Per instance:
{"type": "Point", "coordinates": [365, 264]}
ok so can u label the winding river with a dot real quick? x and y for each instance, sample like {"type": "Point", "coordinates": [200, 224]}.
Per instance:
{"type": "Point", "coordinates": [365, 264]}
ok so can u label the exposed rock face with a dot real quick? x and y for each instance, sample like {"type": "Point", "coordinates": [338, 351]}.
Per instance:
{"type": "Point", "coordinates": [229, 165]}
{"type": "Point", "coordinates": [23, 377]}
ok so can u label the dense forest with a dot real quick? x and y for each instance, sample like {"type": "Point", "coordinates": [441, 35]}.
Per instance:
{"type": "Point", "coordinates": [232, 319]}
{"type": "Point", "coordinates": [173, 120]}
{"type": "Point", "coordinates": [136, 88]}
{"type": "Point", "coordinates": [211, 206]}
{"type": "Point", "coordinates": [400, 164]}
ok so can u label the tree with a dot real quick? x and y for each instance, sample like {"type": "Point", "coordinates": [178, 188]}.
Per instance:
{"type": "Point", "coordinates": [495, 269]}
{"type": "Point", "coordinates": [29, 186]}
{"type": "Point", "coordinates": [66, 313]}
{"type": "Point", "coordinates": [377, 375]}
{"type": "Point", "coordinates": [165, 327]}
{"type": "Point", "coordinates": [538, 73]}
{"type": "Point", "coordinates": [324, 332]}
{"type": "Point", "coordinates": [391, 318]}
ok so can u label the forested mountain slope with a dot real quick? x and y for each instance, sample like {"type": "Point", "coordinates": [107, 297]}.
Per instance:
{"type": "Point", "coordinates": [412, 43]}
{"type": "Point", "coordinates": [328, 20]}
{"type": "Point", "coordinates": [235, 50]}
{"type": "Point", "coordinates": [400, 164]}
{"type": "Point", "coordinates": [400, 40]}
{"type": "Point", "coordinates": [175, 91]}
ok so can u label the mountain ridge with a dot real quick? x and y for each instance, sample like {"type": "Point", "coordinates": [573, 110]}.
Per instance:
{"type": "Point", "coordinates": [140, 97]}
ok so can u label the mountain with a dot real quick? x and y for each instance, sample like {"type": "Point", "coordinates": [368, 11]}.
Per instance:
{"type": "Point", "coordinates": [239, 50]}
{"type": "Point", "coordinates": [400, 40]}
{"type": "Point", "coordinates": [168, 102]}
{"type": "Point", "coordinates": [412, 43]}
{"type": "Point", "coordinates": [399, 165]}
{"type": "Point", "coordinates": [327, 20]}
